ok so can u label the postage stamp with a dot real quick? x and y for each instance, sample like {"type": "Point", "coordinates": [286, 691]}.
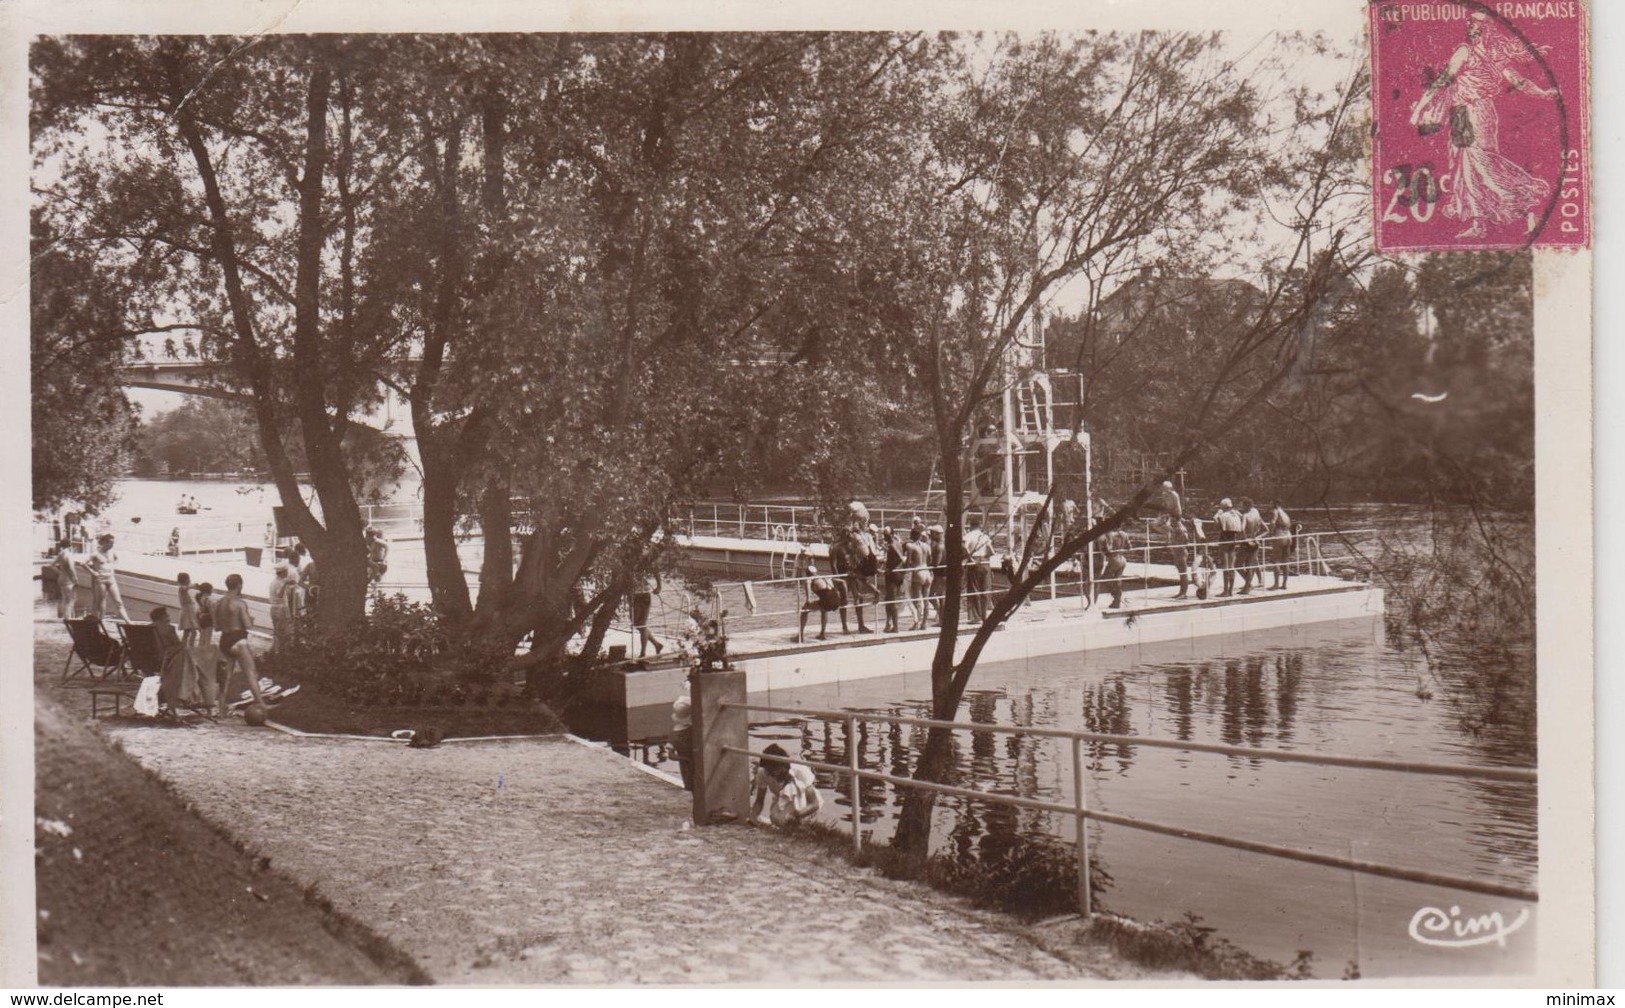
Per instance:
{"type": "Point", "coordinates": [1480, 117]}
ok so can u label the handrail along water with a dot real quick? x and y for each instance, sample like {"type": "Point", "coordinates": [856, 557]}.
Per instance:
{"type": "Point", "coordinates": [1080, 811]}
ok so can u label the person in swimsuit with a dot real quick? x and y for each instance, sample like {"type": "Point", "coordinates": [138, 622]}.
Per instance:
{"type": "Point", "coordinates": [1228, 521]}
{"type": "Point", "coordinates": [1280, 545]}
{"type": "Point", "coordinates": [824, 595]}
{"type": "Point", "coordinates": [233, 620]}
{"type": "Point", "coordinates": [285, 603]}
{"type": "Point", "coordinates": [377, 555]}
{"type": "Point", "coordinates": [892, 574]}
{"type": "Point", "coordinates": [188, 608]}
{"type": "Point", "coordinates": [67, 584]}
{"type": "Point", "coordinates": [642, 602]}
{"type": "Point", "coordinates": [205, 614]}
{"type": "Point", "coordinates": [104, 586]}
{"type": "Point", "coordinates": [1250, 552]}
{"type": "Point", "coordinates": [1114, 548]}
{"type": "Point", "coordinates": [917, 582]}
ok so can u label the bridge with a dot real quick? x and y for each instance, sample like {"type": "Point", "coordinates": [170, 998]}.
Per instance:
{"type": "Point", "coordinates": [393, 417]}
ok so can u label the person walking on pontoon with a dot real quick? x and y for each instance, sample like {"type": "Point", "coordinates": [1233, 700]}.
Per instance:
{"type": "Point", "coordinates": [642, 602]}
{"type": "Point", "coordinates": [856, 558]}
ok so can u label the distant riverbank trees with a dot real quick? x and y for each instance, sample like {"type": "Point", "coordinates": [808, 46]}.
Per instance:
{"type": "Point", "coordinates": [199, 436]}
{"type": "Point", "coordinates": [1419, 387]}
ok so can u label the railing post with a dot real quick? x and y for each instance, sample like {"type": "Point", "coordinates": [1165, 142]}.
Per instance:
{"type": "Point", "coordinates": [1083, 837]}
{"type": "Point", "coordinates": [721, 780]}
{"type": "Point", "coordinates": [857, 796]}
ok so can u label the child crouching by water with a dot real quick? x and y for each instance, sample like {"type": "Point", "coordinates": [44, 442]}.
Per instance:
{"type": "Point", "coordinates": [791, 786]}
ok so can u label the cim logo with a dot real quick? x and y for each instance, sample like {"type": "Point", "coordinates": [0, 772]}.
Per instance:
{"type": "Point", "coordinates": [1433, 926]}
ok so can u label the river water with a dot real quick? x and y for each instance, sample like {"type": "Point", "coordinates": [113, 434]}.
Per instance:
{"type": "Point", "coordinates": [1355, 688]}
{"type": "Point", "coordinates": [1350, 688]}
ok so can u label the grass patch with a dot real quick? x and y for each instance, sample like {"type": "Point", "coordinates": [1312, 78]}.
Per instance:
{"type": "Point", "coordinates": [1036, 878]}
{"type": "Point", "coordinates": [313, 710]}
{"type": "Point", "coordinates": [1190, 946]}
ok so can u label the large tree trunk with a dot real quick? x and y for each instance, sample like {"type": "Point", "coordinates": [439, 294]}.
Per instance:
{"type": "Point", "coordinates": [341, 567]}
{"type": "Point", "coordinates": [599, 626]}
{"type": "Point", "coordinates": [448, 588]}
{"type": "Point", "coordinates": [335, 541]}
{"type": "Point", "coordinates": [914, 819]}
{"type": "Point", "coordinates": [496, 566]}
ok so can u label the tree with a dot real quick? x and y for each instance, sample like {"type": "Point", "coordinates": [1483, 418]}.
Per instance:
{"type": "Point", "coordinates": [668, 322]}
{"type": "Point", "coordinates": [82, 422]}
{"type": "Point", "coordinates": [1053, 159]}
{"type": "Point", "coordinates": [201, 435]}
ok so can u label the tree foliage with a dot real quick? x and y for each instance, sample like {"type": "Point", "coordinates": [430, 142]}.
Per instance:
{"type": "Point", "coordinates": [201, 435]}
{"type": "Point", "coordinates": [82, 422]}
{"type": "Point", "coordinates": [1053, 161]}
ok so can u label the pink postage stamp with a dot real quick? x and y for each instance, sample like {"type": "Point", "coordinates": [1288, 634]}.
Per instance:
{"type": "Point", "coordinates": [1480, 113]}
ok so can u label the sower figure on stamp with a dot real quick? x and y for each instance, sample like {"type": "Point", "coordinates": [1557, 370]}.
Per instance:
{"type": "Point", "coordinates": [1484, 184]}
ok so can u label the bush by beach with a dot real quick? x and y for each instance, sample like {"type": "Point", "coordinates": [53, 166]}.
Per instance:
{"type": "Point", "coordinates": [401, 667]}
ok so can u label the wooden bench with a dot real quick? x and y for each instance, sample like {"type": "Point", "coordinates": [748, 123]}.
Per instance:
{"type": "Point", "coordinates": [115, 693]}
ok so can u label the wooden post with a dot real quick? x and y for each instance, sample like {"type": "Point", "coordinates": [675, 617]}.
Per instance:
{"type": "Point", "coordinates": [857, 795]}
{"type": "Point", "coordinates": [721, 780]}
{"type": "Point", "coordinates": [1083, 838]}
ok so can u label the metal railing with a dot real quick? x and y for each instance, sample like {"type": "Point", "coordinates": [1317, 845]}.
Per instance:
{"type": "Point", "coordinates": [1157, 566]}
{"type": "Point", "coordinates": [807, 602]}
{"type": "Point", "coordinates": [792, 522]}
{"type": "Point", "coordinates": [1081, 813]}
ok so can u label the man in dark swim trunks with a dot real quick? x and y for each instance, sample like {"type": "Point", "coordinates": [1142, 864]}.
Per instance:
{"type": "Point", "coordinates": [233, 620]}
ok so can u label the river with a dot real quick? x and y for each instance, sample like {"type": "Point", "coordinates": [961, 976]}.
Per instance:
{"type": "Point", "coordinates": [1361, 688]}
{"type": "Point", "coordinates": [1356, 688]}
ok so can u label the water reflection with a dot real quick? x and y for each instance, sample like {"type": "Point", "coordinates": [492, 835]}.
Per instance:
{"type": "Point", "coordinates": [1336, 688]}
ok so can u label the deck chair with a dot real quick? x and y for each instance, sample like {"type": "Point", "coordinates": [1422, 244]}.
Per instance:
{"type": "Point", "coordinates": [149, 655]}
{"type": "Point", "coordinates": [98, 653]}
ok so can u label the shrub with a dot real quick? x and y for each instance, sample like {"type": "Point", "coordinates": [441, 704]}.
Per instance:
{"type": "Point", "coordinates": [401, 653]}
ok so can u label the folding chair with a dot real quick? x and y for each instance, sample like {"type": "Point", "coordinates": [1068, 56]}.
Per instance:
{"type": "Point", "coordinates": [99, 654]}
{"type": "Point", "coordinates": [149, 655]}
{"type": "Point", "coordinates": [143, 652]}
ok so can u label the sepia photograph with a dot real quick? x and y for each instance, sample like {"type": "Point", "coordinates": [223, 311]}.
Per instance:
{"type": "Point", "coordinates": [662, 501]}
